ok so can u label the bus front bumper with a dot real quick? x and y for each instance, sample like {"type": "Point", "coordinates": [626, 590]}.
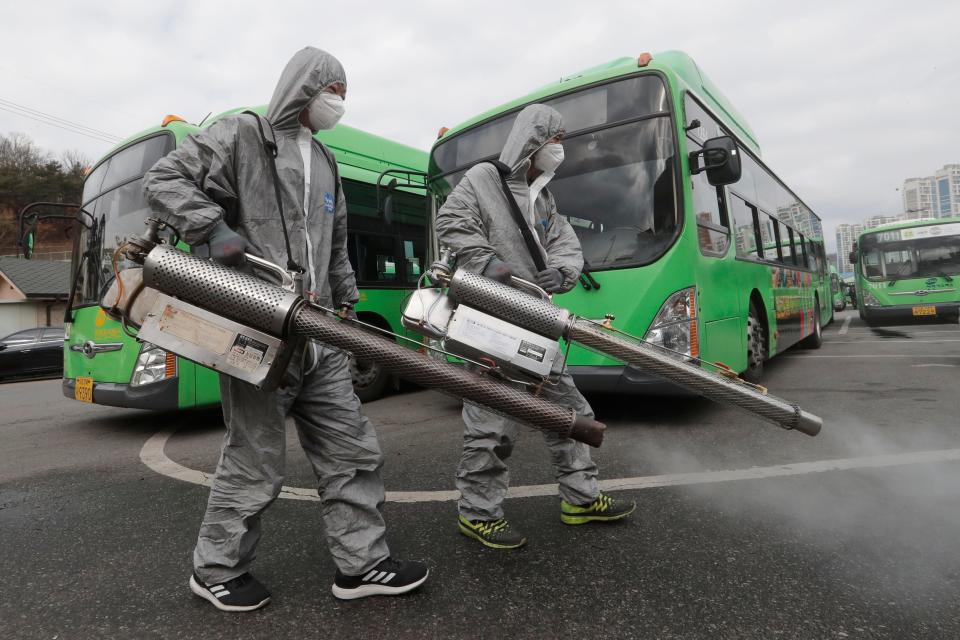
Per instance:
{"type": "Point", "coordinates": [622, 379]}
{"type": "Point", "coordinates": [945, 312]}
{"type": "Point", "coordinates": [157, 396]}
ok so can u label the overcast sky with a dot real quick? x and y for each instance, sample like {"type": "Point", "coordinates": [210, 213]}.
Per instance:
{"type": "Point", "coordinates": [847, 98]}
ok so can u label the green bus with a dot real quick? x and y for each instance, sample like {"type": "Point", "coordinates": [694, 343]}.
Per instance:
{"type": "Point", "coordinates": [908, 271]}
{"type": "Point", "coordinates": [726, 274]}
{"type": "Point", "coordinates": [838, 290]}
{"type": "Point", "coordinates": [104, 365]}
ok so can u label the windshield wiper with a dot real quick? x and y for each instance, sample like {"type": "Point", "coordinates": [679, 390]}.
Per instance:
{"type": "Point", "coordinates": [587, 279]}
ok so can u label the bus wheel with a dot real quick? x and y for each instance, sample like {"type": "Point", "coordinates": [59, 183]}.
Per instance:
{"type": "Point", "coordinates": [756, 346]}
{"type": "Point", "coordinates": [815, 339]}
{"type": "Point", "coordinates": [370, 380]}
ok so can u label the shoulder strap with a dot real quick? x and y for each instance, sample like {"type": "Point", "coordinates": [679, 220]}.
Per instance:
{"type": "Point", "coordinates": [270, 149]}
{"type": "Point", "coordinates": [336, 173]}
{"type": "Point", "coordinates": [532, 245]}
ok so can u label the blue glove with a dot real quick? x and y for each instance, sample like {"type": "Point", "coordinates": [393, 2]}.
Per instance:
{"type": "Point", "coordinates": [227, 246]}
{"type": "Point", "coordinates": [550, 280]}
{"type": "Point", "coordinates": [498, 270]}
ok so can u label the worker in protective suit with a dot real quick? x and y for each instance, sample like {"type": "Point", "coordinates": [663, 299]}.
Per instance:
{"type": "Point", "coordinates": [477, 223]}
{"type": "Point", "coordinates": [221, 187]}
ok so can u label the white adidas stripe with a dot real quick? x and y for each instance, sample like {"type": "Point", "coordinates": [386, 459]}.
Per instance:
{"type": "Point", "coordinates": [379, 576]}
{"type": "Point", "coordinates": [216, 588]}
{"type": "Point", "coordinates": [387, 579]}
{"type": "Point", "coordinates": [367, 577]}
{"type": "Point", "coordinates": [220, 594]}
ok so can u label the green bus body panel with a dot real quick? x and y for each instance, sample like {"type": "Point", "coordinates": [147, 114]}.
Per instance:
{"type": "Point", "coordinates": [361, 157]}
{"type": "Point", "coordinates": [91, 323]}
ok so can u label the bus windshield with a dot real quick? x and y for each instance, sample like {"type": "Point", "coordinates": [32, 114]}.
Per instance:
{"type": "Point", "coordinates": [617, 185]}
{"type": "Point", "coordinates": [917, 252]}
{"type": "Point", "coordinates": [113, 196]}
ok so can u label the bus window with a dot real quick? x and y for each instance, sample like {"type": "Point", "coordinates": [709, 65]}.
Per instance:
{"type": "Point", "coordinates": [113, 195]}
{"type": "Point", "coordinates": [374, 259]}
{"type": "Point", "coordinates": [789, 246]}
{"type": "Point", "coordinates": [712, 229]}
{"type": "Point", "coordinates": [804, 258]}
{"type": "Point", "coordinates": [604, 104]}
{"type": "Point", "coordinates": [619, 184]}
{"type": "Point", "coordinates": [745, 226]}
{"type": "Point", "coordinates": [414, 255]}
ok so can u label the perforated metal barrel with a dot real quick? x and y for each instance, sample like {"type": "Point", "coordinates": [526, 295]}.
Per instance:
{"type": "Point", "coordinates": [228, 292]}
{"type": "Point", "coordinates": [509, 304]}
{"type": "Point", "coordinates": [692, 377]}
{"type": "Point", "coordinates": [456, 380]}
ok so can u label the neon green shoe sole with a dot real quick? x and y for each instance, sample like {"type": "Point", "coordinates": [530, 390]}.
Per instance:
{"type": "Point", "coordinates": [499, 539]}
{"type": "Point", "coordinates": [603, 509]}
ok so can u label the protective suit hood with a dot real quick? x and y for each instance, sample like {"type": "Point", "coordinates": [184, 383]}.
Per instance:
{"type": "Point", "coordinates": [309, 71]}
{"type": "Point", "coordinates": [534, 125]}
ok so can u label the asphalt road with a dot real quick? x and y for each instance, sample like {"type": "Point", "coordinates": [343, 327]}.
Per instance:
{"type": "Point", "coordinates": [743, 530]}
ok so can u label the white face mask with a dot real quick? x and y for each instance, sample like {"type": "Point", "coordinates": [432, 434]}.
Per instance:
{"type": "Point", "coordinates": [324, 111]}
{"type": "Point", "coordinates": [549, 157]}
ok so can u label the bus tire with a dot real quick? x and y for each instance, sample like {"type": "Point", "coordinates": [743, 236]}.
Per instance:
{"type": "Point", "coordinates": [370, 380]}
{"type": "Point", "coordinates": [756, 345]}
{"type": "Point", "coordinates": [815, 339]}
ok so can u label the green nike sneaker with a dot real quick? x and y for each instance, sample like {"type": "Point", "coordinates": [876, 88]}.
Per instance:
{"type": "Point", "coordinates": [603, 509]}
{"type": "Point", "coordinates": [496, 534]}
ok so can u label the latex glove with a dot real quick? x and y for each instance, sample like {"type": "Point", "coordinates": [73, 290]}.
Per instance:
{"type": "Point", "coordinates": [227, 246]}
{"type": "Point", "coordinates": [498, 270]}
{"type": "Point", "coordinates": [550, 280]}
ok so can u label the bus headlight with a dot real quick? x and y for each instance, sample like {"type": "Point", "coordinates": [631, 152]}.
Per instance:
{"type": "Point", "coordinates": [675, 325]}
{"type": "Point", "coordinates": [153, 364]}
{"type": "Point", "coordinates": [870, 300]}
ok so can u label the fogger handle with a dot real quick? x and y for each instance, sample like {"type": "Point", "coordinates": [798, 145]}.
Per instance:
{"type": "Point", "coordinates": [530, 287]}
{"type": "Point", "coordinates": [287, 280]}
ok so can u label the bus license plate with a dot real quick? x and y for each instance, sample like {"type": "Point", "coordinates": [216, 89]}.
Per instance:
{"type": "Point", "coordinates": [84, 390]}
{"type": "Point", "coordinates": [925, 310]}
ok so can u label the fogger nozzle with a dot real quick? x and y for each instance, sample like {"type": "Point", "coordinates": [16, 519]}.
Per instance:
{"type": "Point", "coordinates": [546, 319]}
{"type": "Point", "coordinates": [246, 299]}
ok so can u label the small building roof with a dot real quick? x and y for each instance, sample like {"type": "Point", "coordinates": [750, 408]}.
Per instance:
{"type": "Point", "coordinates": [37, 278]}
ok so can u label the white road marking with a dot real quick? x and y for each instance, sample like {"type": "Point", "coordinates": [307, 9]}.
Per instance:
{"type": "Point", "coordinates": [846, 325]}
{"type": "Point", "coordinates": [933, 364]}
{"type": "Point", "coordinates": [791, 355]}
{"type": "Point", "coordinates": [891, 340]}
{"type": "Point", "coordinates": [903, 330]}
{"type": "Point", "coordinates": [152, 454]}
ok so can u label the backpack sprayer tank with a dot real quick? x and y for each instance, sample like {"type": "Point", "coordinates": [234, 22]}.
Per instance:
{"type": "Point", "coordinates": [247, 328]}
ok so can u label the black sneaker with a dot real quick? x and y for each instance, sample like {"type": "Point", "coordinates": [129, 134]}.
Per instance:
{"type": "Point", "coordinates": [496, 534]}
{"type": "Point", "coordinates": [243, 593]}
{"type": "Point", "coordinates": [389, 578]}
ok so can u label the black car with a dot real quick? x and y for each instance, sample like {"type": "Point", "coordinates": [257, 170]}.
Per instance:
{"type": "Point", "coordinates": [32, 352]}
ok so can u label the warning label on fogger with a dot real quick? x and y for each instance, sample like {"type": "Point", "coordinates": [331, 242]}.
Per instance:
{"type": "Point", "coordinates": [246, 353]}
{"type": "Point", "coordinates": [532, 351]}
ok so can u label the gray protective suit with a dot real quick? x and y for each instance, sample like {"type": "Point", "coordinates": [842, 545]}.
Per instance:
{"type": "Point", "coordinates": [223, 173]}
{"type": "Point", "coordinates": [475, 221]}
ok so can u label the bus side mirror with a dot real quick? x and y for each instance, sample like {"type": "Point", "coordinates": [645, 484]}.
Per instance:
{"type": "Point", "coordinates": [720, 159]}
{"type": "Point", "coordinates": [388, 202]}
{"type": "Point", "coordinates": [27, 245]}
{"type": "Point", "coordinates": [852, 257]}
